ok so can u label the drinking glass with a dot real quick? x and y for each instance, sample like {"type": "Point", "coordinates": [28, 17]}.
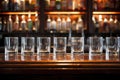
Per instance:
{"type": "Point", "coordinates": [27, 48]}
{"type": "Point", "coordinates": [95, 48]}
{"type": "Point", "coordinates": [112, 48]}
{"type": "Point", "coordinates": [43, 48]}
{"type": "Point", "coordinates": [77, 48]}
{"type": "Point", "coordinates": [11, 48]}
{"type": "Point", "coordinates": [59, 48]}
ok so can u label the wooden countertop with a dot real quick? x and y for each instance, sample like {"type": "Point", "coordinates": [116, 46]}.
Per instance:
{"type": "Point", "coordinates": [59, 66]}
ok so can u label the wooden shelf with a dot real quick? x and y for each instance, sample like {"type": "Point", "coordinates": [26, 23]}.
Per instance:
{"type": "Point", "coordinates": [19, 13]}
{"type": "Point", "coordinates": [62, 13]}
{"type": "Point", "coordinates": [105, 13]}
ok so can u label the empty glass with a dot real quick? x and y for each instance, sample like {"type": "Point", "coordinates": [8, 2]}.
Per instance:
{"type": "Point", "coordinates": [59, 48]}
{"type": "Point", "coordinates": [77, 48]}
{"type": "Point", "coordinates": [27, 48]}
{"type": "Point", "coordinates": [112, 48]}
{"type": "Point", "coordinates": [11, 48]}
{"type": "Point", "coordinates": [95, 48]}
{"type": "Point", "coordinates": [43, 48]}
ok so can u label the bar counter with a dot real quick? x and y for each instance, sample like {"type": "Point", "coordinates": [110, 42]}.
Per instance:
{"type": "Point", "coordinates": [59, 69]}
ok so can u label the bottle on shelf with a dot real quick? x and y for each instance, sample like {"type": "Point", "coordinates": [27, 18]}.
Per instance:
{"type": "Point", "coordinates": [74, 25]}
{"type": "Point", "coordinates": [5, 4]}
{"type": "Point", "coordinates": [31, 5]}
{"type": "Point", "coordinates": [63, 25]}
{"type": "Point", "coordinates": [52, 4]}
{"type": "Point", "coordinates": [4, 25]}
{"type": "Point", "coordinates": [64, 4]}
{"type": "Point", "coordinates": [11, 5]}
{"type": "Point", "coordinates": [10, 24]}
{"type": "Point", "coordinates": [37, 6]}
{"type": "Point", "coordinates": [47, 4]}
{"type": "Point", "coordinates": [111, 24]}
{"type": "Point", "coordinates": [106, 27]}
{"type": "Point", "coordinates": [29, 23]}
{"type": "Point", "coordinates": [96, 24]}
{"type": "Point", "coordinates": [95, 5]}
{"type": "Point", "coordinates": [116, 25]}
{"type": "Point", "coordinates": [79, 25]}
{"type": "Point", "coordinates": [36, 23]}
{"type": "Point", "coordinates": [22, 5]}
{"type": "Point", "coordinates": [100, 23]}
{"type": "Point", "coordinates": [16, 5]}
{"type": "Point", "coordinates": [68, 23]}
{"type": "Point", "coordinates": [53, 25]}
{"type": "Point", "coordinates": [70, 5]}
{"type": "Point", "coordinates": [58, 27]}
{"type": "Point", "coordinates": [16, 25]}
{"type": "Point", "coordinates": [48, 23]}
{"type": "Point", "coordinates": [80, 4]}
{"type": "Point", "coordinates": [23, 24]}
{"type": "Point", "coordinates": [1, 24]}
{"type": "Point", "coordinates": [58, 4]}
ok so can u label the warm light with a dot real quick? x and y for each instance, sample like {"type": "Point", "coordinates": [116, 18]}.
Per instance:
{"type": "Point", "coordinates": [100, 17]}
{"type": "Point", "coordinates": [93, 18]}
{"type": "Point", "coordinates": [48, 20]}
{"type": "Point", "coordinates": [105, 20]}
{"type": "Point", "coordinates": [23, 16]}
{"type": "Point", "coordinates": [115, 20]}
{"type": "Point", "coordinates": [111, 20]}
{"type": "Point", "coordinates": [6, 0]}
{"type": "Point", "coordinates": [68, 19]}
{"type": "Point", "coordinates": [30, 1]}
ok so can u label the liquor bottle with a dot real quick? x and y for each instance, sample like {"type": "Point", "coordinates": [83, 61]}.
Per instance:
{"type": "Point", "coordinates": [63, 4]}
{"type": "Point", "coordinates": [37, 6]}
{"type": "Point", "coordinates": [117, 4]}
{"type": "Point", "coordinates": [48, 23]}
{"type": "Point", "coordinates": [95, 5]}
{"type": "Point", "coordinates": [116, 25]}
{"type": "Point", "coordinates": [22, 5]}
{"type": "Point", "coordinates": [106, 5]}
{"type": "Point", "coordinates": [27, 5]}
{"type": "Point", "coordinates": [58, 27]}
{"type": "Point", "coordinates": [16, 24]}
{"type": "Point", "coordinates": [58, 4]}
{"type": "Point", "coordinates": [5, 5]}
{"type": "Point", "coordinates": [70, 4]}
{"type": "Point", "coordinates": [4, 25]}
{"type": "Point", "coordinates": [74, 25]}
{"type": "Point", "coordinates": [9, 24]}
{"type": "Point", "coordinates": [52, 4]}
{"type": "Point", "coordinates": [96, 24]}
{"type": "Point", "coordinates": [81, 5]}
{"type": "Point", "coordinates": [23, 24]}
{"type": "Point", "coordinates": [106, 28]}
{"type": "Point", "coordinates": [79, 25]}
{"type": "Point", "coordinates": [36, 22]}
{"type": "Point", "coordinates": [68, 23]}
{"type": "Point", "coordinates": [53, 25]}
{"type": "Point", "coordinates": [16, 5]}
{"type": "Point", "coordinates": [63, 25]}
{"type": "Point", "coordinates": [100, 23]}
{"type": "Point", "coordinates": [111, 23]}
{"type": "Point", "coordinates": [47, 4]}
{"type": "Point", "coordinates": [29, 23]}
{"type": "Point", "coordinates": [1, 24]}
{"type": "Point", "coordinates": [32, 5]}
{"type": "Point", "coordinates": [11, 5]}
